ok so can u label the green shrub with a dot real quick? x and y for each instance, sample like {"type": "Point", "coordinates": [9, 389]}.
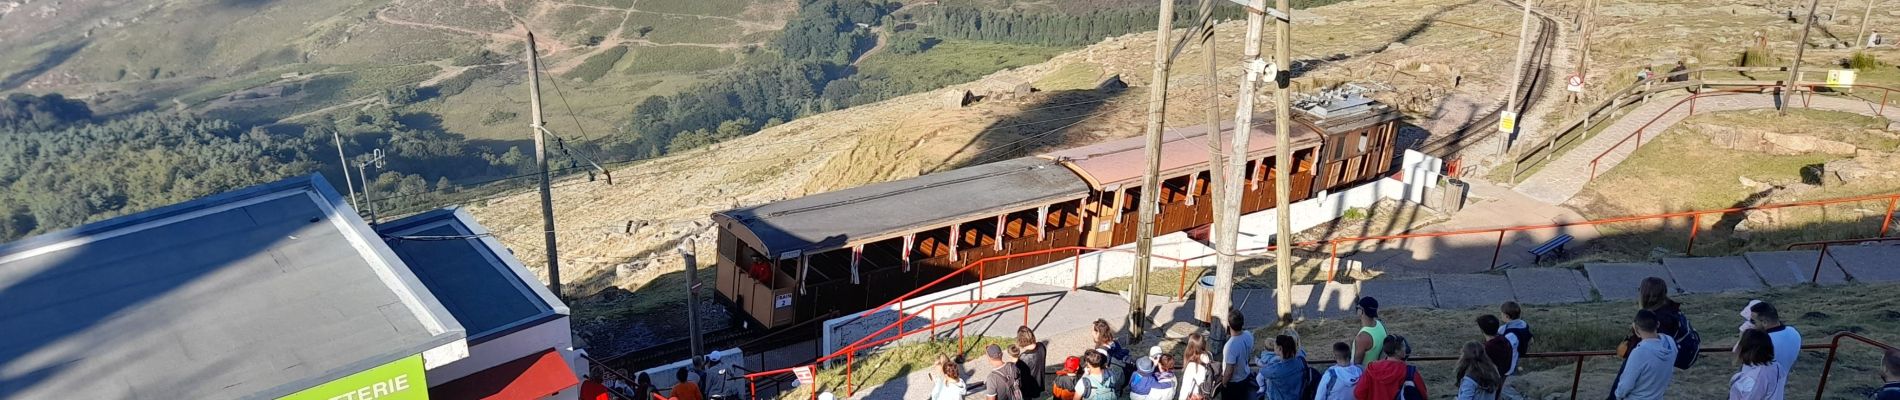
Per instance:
{"type": "Point", "coordinates": [1757, 57]}
{"type": "Point", "coordinates": [677, 59]}
{"type": "Point", "coordinates": [598, 65]}
{"type": "Point", "coordinates": [1865, 62]}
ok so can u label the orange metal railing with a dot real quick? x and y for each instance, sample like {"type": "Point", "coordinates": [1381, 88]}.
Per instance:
{"type": "Point", "coordinates": [849, 352]}
{"type": "Point", "coordinates": [1822, 257]}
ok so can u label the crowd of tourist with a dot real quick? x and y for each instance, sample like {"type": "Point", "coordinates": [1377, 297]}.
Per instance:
{"type": "Point", "coordinates": [1374, 363]}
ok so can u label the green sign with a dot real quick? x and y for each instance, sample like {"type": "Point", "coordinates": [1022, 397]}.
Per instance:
{"type": "Point", "coordinates": [398, 380]}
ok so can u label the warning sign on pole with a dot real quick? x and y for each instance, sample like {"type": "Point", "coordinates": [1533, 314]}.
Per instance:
{"type": "Point", "coordinates": [805, 374]}
{"type": "Point", "coordinates": [1576, 83]}
{"type": "Point", "coordinates": [1840, 78]}
{"type": "Point", "coordinates": [1507, 122]}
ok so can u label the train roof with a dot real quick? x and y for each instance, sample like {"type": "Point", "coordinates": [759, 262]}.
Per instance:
{"type": "Point", "coordinates": [1122, 162]}
{"type": "Point", "coordinates": [880, 211]}
{"type": "Point", "coordinates": [254, 293]}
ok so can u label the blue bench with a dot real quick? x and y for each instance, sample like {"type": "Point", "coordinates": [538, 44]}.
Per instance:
{"type": "Point", "coordinates": [1553, 247]}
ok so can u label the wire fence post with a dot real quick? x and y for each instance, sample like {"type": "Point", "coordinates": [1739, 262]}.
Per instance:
{"type": "Point", "coordinates": [1887, 221]}
{"type": "Point", "coordinates": [1499, 251]}
{"type": "Point", "coordinates": [1833, 347]}
{"type": "Point", "coordinates": [1075, 281]}
{"type": "Point", "coordinates": [1576, 379]}
{"type": "Point", "coordinates": [1818, 260]}
{"type": "Point", "coordinates": [1335, 261]}
{"type": "Point", "coordinates": [1695, 225]}
{"type": "Point", "coordinates": [1184, 274]}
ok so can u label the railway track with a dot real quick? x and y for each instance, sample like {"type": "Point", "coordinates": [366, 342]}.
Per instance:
{"type": "Point", "coordinates": [1537, 73]}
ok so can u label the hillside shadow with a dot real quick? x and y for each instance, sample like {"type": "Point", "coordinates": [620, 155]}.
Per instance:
{"type": "Point", "coordinates": [1049, 122]}
{"type": "Point", "coordinates": [54, 58]}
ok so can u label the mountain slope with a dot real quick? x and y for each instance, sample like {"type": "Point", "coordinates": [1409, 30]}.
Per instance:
{"type": "Point", "coordinates": [669, 198]}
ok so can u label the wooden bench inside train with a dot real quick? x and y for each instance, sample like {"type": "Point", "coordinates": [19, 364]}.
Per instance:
{"type": "Point", "coordinates": [787, 262]}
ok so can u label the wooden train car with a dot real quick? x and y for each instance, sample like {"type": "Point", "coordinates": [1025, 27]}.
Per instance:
{"type": "Point", "coordinates": [789, 261]}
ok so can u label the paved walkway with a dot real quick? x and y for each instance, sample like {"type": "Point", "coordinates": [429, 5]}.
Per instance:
{"type": "Point", "coordinates": [1563, 177]}
{"type": "Point", "coordinates": [1490, 206]}
{"type": "Point", "coordinates": [1063, 318]}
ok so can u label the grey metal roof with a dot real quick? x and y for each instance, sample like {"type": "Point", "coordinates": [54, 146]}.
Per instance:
{"type": "Point", "coordinates": [255, 293]}
{"type": "Point", "coordinates": [471, 273]}
{"type": "Point", "coordinates": [879, 211]}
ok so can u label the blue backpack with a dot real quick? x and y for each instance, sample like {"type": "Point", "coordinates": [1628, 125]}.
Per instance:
{"type": "Point", "coordinates": [1410, 391]}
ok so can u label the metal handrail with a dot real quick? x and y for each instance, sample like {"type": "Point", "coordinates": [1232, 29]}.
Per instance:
{"type": "Point", "coordinates": [849, 352]}
{"type": "Point", "coordinates": [1821, 258]}
{"type": "Point", "coordinates": [1638, 134]}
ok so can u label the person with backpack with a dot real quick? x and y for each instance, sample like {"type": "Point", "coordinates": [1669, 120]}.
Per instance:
{"type": "Point", "coordinates": [1030, 387]}
{"type": "Point", "coordinates": [1065, 388]}
{"type": "Point", "coordinates": [1890, 375]}
{"type": "Point", "coordinates": [1166, 387]}
{"type": "Point", "coordinates": [1032, 362]}
{"type": "Point", "coordinates": [1283, 371]}
{"type": "Point", "coordinates": [1001, 382]}
{"type": "Point", "coordinates": [1760, 378]}
{"type": "Point", "coordinates": [1337, 382]}
{"type": "Point", "coordinates": [1235, 372]}
{"type": "Point", "coordinates": [1095, 384]}
{"type": "Point", "coordinates": [1391, 377]}
{"type": "Point", "coordinates": [949, 383]}
{"type": "Point", "coordinates": [1651, 363]}
{"type": "Point", "coordinates": [1516, 331]}
{"type": "Point", "coordinates": [1366, 345]}
{"type": "Point", "coordinates": [1478, 378]}
{"type": "Point", "coordinates": [1151, 381]}
{"type": "Point", "coordinates": [1653, 296]}
{"type": "Point", "coordinates": [1197, 378]}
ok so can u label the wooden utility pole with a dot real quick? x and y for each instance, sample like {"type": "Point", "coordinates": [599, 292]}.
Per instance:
{"type": "Point", "coordinates": [1283, 159]}
{"type": "Point", "coordinates": [344, 162]}
{"type": "Point", "coordinates": [1226, 239]}
{"type": "Point", "coordinates": [541, 162]}
{"type": "Point", "coordinates": [1860, 39]}
{"type": "Point", "coordinates": [692, 299]}
{"type": "Point", "coordinates": [1151, 180]}
{"type": "Point", "coordinates": [1589, 26]}
{"type": "Point", "coordinates": [1217, 179]}
{"type": "Point", "coordinates": [1800, 48]}
{"type": "Point", "coordinates": [1517, 81]}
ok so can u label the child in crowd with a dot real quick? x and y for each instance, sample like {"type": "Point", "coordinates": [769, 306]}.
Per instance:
{"type": "Point", "coordinates": [1338, 381]}
{"type": "Point", "coordinates": [1064, 387]}
{"type": "Point", "coordinates": [1516, 331]}
{"type": "Point", "coordinates": [1478, 377]}
{"type": "Point", "coordinates": [1760, 378]}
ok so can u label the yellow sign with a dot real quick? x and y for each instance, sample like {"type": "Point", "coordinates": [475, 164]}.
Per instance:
{"type": "Point", "coordinates": [1507, 122]}
{"type": "Point", "coordinates": [398, 380]}
{"type": "Point", "coordinates": [1840, 77]}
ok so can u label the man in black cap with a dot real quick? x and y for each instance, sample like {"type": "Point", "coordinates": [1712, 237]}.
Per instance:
{"type": "Point", "coordinates": [1001, 383]}
{"type": "Point", "coordinates": [1367, 344]}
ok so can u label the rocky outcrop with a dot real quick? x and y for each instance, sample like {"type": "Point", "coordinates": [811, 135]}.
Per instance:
{"type": "Point", "coordinates": [1762, 141]}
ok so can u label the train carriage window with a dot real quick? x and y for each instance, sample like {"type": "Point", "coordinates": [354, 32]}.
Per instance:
{"type": "Point", "coordinates": [1174, 190]}
{"type": "Point", "coordinates": [882, 254]}
{"type": "Point", "coordinates": [1249, 173]}
{"type": "Point", "coordinates": [932, 243]}
{"type": "Point", "coordinates": [1020, 224]}
{"type": "Point", "coordinates": [1131, 199]}
{"type": "Point", "coordinates": [1064, 215]}
{"type": "Point", "coordinates": [978, 233]}
{"type": "Point", "coordinates": [828, 266]}
{"type": "Point", "coordinates": [1364, 137]}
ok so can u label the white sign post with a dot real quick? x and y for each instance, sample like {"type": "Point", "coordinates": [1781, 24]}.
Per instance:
{"type": "Point", "coordinates": [1575, 83]}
